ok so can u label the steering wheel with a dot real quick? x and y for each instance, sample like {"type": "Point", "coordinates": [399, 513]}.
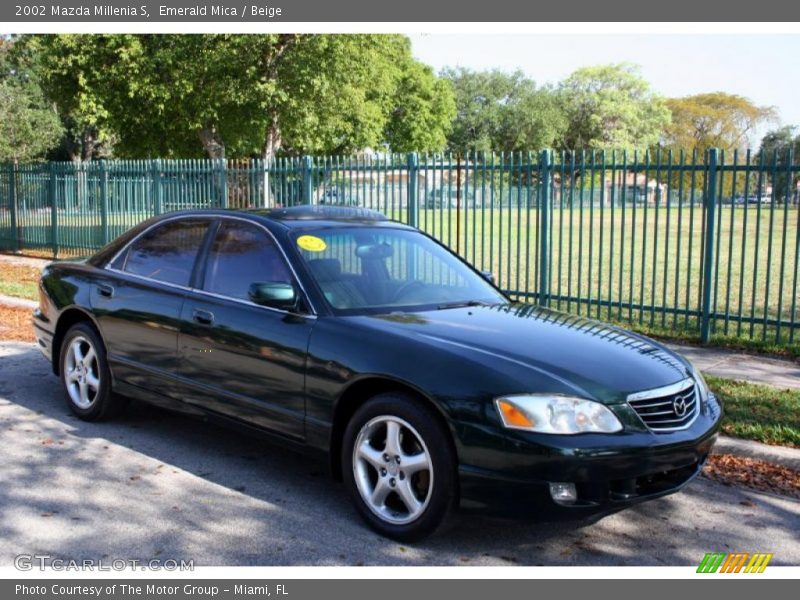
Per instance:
{"type": "Point", "coordinates": [405, 288]}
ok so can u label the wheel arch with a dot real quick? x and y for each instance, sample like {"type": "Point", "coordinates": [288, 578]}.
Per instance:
{"type": "Point", "coordinates": [69, 317]}
{"type": "Point", "coordinates": [362, 390]}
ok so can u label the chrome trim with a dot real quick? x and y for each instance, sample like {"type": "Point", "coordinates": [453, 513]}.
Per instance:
{"type": "Point", "coordinates": [667, 390]}
{"type": "Point", "coordinates": [211, 218]}
{"type": "Point", "coordinates": [249, 303]}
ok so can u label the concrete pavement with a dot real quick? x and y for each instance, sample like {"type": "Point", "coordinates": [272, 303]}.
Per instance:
{"type": "Point", "coordinates": [753, 368]}
{"type": "Point", "coordinates": [158, 485]}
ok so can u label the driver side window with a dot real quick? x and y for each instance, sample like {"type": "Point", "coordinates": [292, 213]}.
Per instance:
{"type": "Point", "coordinates": [240, 255]}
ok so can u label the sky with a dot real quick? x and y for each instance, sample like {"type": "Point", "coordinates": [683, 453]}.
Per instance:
{"type": "Point", "coordinates": [763, 68]}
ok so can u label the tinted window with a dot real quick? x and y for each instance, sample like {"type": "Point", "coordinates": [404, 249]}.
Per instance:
{"type": "Point", "coordinates": [243, 254]}
{"type": "Point", "coordinates": [167, 252]}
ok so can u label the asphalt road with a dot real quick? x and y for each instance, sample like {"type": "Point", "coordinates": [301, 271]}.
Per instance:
{"type": "Point", "coordinates": [157, 485]}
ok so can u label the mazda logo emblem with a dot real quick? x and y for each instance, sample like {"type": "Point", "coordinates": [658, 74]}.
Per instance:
{"type": "Point", "coordinates": [679, 405]}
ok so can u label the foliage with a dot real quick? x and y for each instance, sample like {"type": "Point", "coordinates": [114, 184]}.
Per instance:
{"type": "Point", "coordinates": [782, 145]}
{"type": "Point", "coordinates": [422, 113]}
{"type": "Point", "coordinates": [245, 95]}
{"type": "Point", "coordinates": [781, 140]}
{"type": "Point", "coordinates": [713, 120]}
{"type": "Point", "coordinates": [74, 78]}
{"type": "Point", "coordinates": [29, 128]}
{"type": "Point", "coordinates": [611, 107]}
{"type": "Point", "coordinates": [502, 111]}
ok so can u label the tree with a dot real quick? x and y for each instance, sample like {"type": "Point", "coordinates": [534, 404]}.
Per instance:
{"type": "Point", "coordinates": [29, 127]}
{"type": "Point", "coordinates": [73, 78]}
{"type": "Point", "coordinates": [502, 111]}
{"type": "Point", "coordinates": [422, 113]}
{"type": "Point", "coordinates": [782, 145]}
{"type": "Point", "coordinates": [781, 140]}
{"type": "Point", "coordinates": [611, 107]}
{"type": "Point", "coordinates": [246, 95]}
{"type": "Point", "coordinates": [713, 120]}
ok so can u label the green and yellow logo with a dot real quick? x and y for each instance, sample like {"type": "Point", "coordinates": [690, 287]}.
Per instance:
{"type": "Point", "coordinates": [744, 562]}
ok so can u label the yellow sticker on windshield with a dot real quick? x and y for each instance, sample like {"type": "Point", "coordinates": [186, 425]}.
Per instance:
{"type": "Point", "coordinates": [311, 243]}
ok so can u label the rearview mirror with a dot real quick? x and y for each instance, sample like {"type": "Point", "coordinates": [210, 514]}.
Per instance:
{"type": "Point", "coordinates": [276, 294]}
{"type": "Point", "coordinates": [487, 275]}
{"type": "Point", "coordinates": [374, 251]}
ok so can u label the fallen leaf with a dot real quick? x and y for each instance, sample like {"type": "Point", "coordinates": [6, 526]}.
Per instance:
{"type": "Point", "coordinates": [753, 473]}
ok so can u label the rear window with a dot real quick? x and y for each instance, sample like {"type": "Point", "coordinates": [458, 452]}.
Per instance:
{"type": "Point", "coordinates": [165, 253]}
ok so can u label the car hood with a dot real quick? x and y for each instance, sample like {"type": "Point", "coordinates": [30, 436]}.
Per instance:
{"type": "Point", "coordinates": [577, 354]}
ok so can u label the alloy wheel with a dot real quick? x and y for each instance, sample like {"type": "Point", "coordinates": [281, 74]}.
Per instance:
{"type": "Point", "coordinates": [393, 469]}
{"type": "Point", "coordinates": [82, 372]}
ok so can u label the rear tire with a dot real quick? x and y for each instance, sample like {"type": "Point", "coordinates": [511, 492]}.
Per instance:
{"type": "Point", "coordinates": [85, 375]}
{"type": "Point", "coordinates": [399, 467]}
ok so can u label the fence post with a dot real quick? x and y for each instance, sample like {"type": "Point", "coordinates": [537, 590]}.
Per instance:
{"type": "Point", "coordinates": [222, 167]}
{"type": "Point", "coordinates": [708, 245]}
{"type": "Point", "coordinates": [104, 202]}
{"type": "Point", "coordinates": [12, 196]}
{"type": "Point", "coordinates": [308, 180]}
{"type": "Point", "coordinates": [545, 164]}
{"type": "Point", "coordinates": [413, 189]}
{"type": "Point", "coordinates": [156, 191]}
{"type": "Point", "coordinates": [51, 192]}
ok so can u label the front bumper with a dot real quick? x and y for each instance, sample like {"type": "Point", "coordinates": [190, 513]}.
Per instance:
{"type": "Point", "coordinates": [610, 472]}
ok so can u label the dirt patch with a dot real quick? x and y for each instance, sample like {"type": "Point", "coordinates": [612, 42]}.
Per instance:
{"type": "Point", "coordinates": [15, 324]}
{"type": "Point", "coordinates": [25, 259]}
{"type": "Point", "coordinates": [19, 279]}
{"type": "Point", "coordinates": [753, 473]}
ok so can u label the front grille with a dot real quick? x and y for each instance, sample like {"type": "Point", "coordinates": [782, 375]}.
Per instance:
{"type": "Point", "coordinates": [669, 408]}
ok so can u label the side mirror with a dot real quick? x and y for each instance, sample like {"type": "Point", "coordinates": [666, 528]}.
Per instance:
{"type": "Point", "coordinates": [273, 293]}
{"type": "Point", "coordinates": [487, 275]}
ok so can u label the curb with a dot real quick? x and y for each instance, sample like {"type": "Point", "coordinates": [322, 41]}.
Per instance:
{"type": "Point", "coordinates": [17, 302]}
{"type": "Point", "coordinates": [779, 455]}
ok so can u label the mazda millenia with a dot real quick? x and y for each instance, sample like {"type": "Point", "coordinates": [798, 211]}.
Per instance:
{"type": "Point", "coordinates": [350, 335]}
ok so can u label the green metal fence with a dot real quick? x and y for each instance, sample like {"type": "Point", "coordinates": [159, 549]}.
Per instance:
{"type": "Point", "coordinates": [703, 243]}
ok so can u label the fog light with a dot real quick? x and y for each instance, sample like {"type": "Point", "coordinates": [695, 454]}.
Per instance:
{"type": "Point", "coordinates": [563, 493]}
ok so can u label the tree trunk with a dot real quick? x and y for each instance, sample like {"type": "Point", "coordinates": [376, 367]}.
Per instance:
{"type": "Point", "coordinates": [272, 140]}
{"type": "Point", "coordinates": [272, 135]}
{"type": "Point", "coordinates": [272, 143]}
{"type": "Point", "coordinates": [212, 141]}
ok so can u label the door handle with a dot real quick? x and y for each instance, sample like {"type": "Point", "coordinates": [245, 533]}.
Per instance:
{"type": "Point", "coordinates": [203, 317]}
{"type": "Point", "coordinates": [105, 290]}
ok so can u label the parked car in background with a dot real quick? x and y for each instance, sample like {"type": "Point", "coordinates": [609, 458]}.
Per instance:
{"type": "Point", "coordinates": [450, 198]}
{"type": "Point", "coordinates": [337, 197]}
{"type": "Point", "coordinates": [344, 334]}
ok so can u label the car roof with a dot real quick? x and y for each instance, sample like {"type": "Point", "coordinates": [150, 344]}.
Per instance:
{"type": "Point", "coordinates": [305, 216]}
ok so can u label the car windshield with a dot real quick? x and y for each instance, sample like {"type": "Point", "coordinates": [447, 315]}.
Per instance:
{"type": "Point", "coordinates": [379, 269]}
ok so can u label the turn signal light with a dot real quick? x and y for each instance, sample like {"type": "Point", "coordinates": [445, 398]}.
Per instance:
{"type": "Point", "coordinates": [512, 416]}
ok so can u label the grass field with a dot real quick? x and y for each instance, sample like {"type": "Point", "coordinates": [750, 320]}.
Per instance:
{"type": "Point", "coordinates": [759, 412]}
{"type": "Point", "coordinates": [636, 265]}
{"type": "Point", "coordinates": [644, 265]}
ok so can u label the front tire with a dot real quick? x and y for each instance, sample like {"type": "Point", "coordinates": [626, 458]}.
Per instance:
{"type": "Point", "coordinates": [85, 375]}
{"type": "Point", "coordinates": [399, 467]}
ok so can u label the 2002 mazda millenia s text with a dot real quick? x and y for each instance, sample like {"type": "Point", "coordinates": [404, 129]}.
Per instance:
{"type": "Point", "coordinates": [363, 338]}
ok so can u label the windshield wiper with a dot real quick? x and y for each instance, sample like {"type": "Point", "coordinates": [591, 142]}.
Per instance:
{"type": "Point", "coordinates": [462, 304]}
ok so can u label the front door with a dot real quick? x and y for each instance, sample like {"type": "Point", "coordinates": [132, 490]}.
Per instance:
{"type": "Point", "coordinates": [238, 358]}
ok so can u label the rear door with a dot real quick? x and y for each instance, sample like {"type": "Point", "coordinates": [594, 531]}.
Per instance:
{"type": "Point", "coordinates": [139, 305]}
{"type": "Point", "coordinates": [237, 358]}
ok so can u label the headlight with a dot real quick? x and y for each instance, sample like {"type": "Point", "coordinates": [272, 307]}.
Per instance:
{"type": "Point", "coordinates": [702, 386]}
{"type": "Point", "coordinates": [549, 413]}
